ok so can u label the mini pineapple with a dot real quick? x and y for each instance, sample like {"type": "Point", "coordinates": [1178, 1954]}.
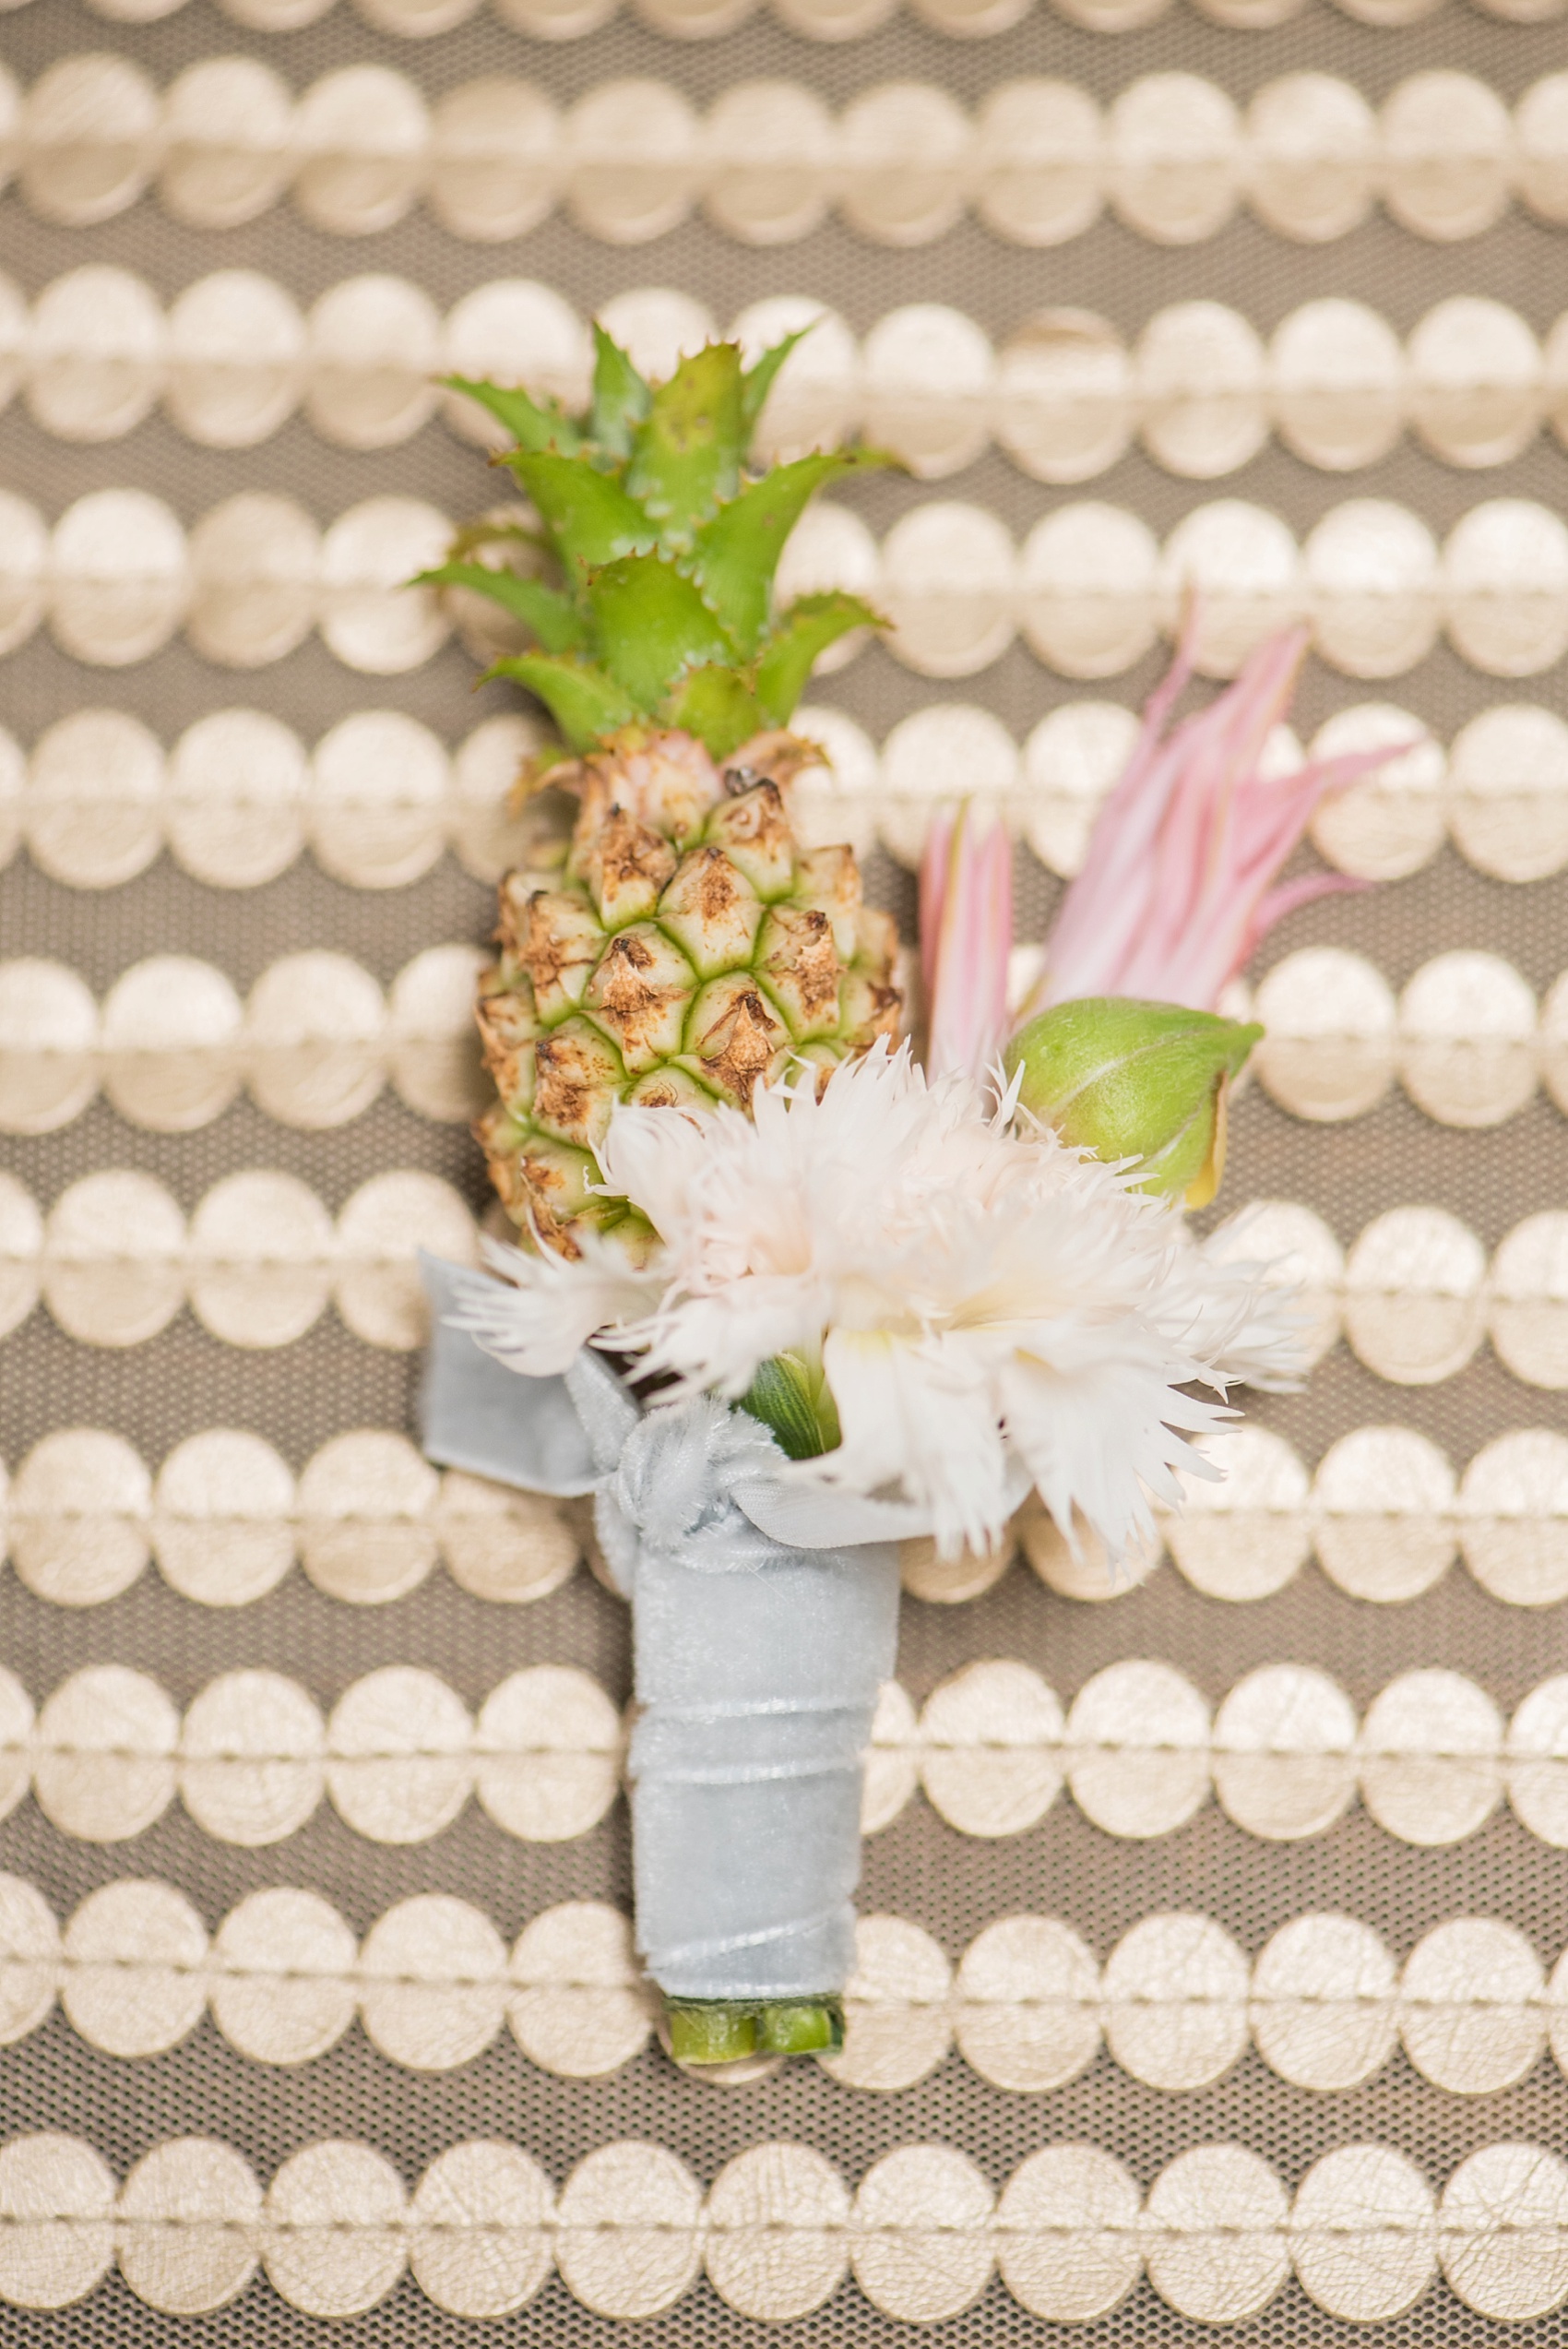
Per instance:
{"type": "Point", "coordinates": [685, 945]}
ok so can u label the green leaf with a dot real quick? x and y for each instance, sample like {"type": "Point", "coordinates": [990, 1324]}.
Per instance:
{"type": "Point", "coordinates": [589, 515]}
{"type": "Point", "coordinates": [651, 626]}
{"type": "Point", "coordinates": [792, 1397]}
{"type": "Point", "coordinates": [530, 425]}
{"type": "Point", "coordinates": [757, 382]}
{"type": "Point", "coordinates": [717, 706]}
{"type": "Point", "coordinates": [583, 701]}
{"type": "Point", "coordinates": [552, 617]}
{"type": "Point", "coordinates": [619, 397]}
{"type": "Point", "coordinates": [737, 552]}
{"type": "Point", "coordinates": [810, 625]}
{"type": "Point", "coordinates": [687, 454]}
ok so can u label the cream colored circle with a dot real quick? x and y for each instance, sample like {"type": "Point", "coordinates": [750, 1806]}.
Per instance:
{"type": "Point", "coordinates": [1431, 1758]}
{"type": "Point", "coordinates": [372, 354]}
{"type": "Point", "coordinates": [376, 813]}
{"type": "Point", "coordinates": [1323, 2011]}
{"type": "Point", "coordinates": [1541, 145]}
{"type": "Point", "coordinates": [24, 564]}
{"type": "Point", "coordinates": [769, 148]}
{"type": "Point", "coordinates": [380, 1229]}
{"type": "Point", "coordinates": [1328, 1052]}
{"type": "Point", "coordinates": [1502, 2232]}
{"type": "Point", "coordinates": [366, 1500]}
{"type": "Point", "coordinates": [361, 136]}
{"type": "Point", "coordinates": [1174, 1993]}
{"type": "Point", "coordinates": [485, 768]}
{"type": "Point", "coordinates": [1137, 1748]}
{"type": "Point", "coordinates": [170, 1038]}
{"type": "Point", "coordinates": [1362, 2234]}
{"type": "Point", "coordinates": [112, 1269]}
{"type": "Point", "coordinates": [556, 20]}
{"type": "Point", "coordinates": [1390, 822]}
{"type": "Point", "coordinates": [1040, 163]}
{"type": "Point", "coordinates": [1414, 1302]}
{"type": "Point", "coordinates": [925, 1574]}
{"type": "Point", "coordinates": [507, 329]}
{"type": "Point", "coordinates": [1063, 401]}
{"type": "Point", "coordinates": [92, 809]}
{"type": "Point", "coordinates": [315, 1025]}
{"type": "Point", "coordinates": [371, 619]}
{"type": "Point", "coordinates": [905, 161]}
{"type": "Point", "coordinates": [991, 1758]}
{"type": "Point", "coordinates": [1553, 1041]}
{"type": "Point", "coordinates": [1088, 590]}
{"type": "Point", "coordinates": [1089, 1577]}
{"type": "Point", "coordinates": [1513, 1517]}
{"type": "Point", "coordinates": [627, 2241]}
{"type": "Point", "coordinates": [500, 1544]}
{"type": "Point", "coordinates": [1284, 1748]}
{"type": "Point", "coordinates": [103, 1765]}
{"type": "Point", "coordinates": [547, 1754]}
{"type": "Point", "coordinates": [226, 149]}
{"type": "Point", "coordinates": [1199, 372]}
{"type": "Point", "coordinates": [1470, 2002]}
{"type": "Point", "coordinates": [831, 548]}
{"type": "Point", "coordinates": [836, 801]}
{"type": "Point", "coordinates": [892, 1762]}
{"type": "Point", "coordinates": [282, 1984]}
{"type": "Point", "coordinates": [1505, 587]}
{"type": "Point", "coordinates": [254, 564]}
{"type": "Point", "coordinates": [944, 752]}
{"type": "Point", "coordinates": [1245, 568]}
{"type": "Point", "coordinates": [236, 348]}
{"type": "Point", "coordinates": [21, 1251]}
{"type": "Point", "coordinates": [632, 152]}
{"type": "Point", "coordinates": [56, 2221]}
{"type": "Point", "coordinates": [1508, 792]}
{"type": "Point", "coordinates": [971, 19]}
{"type": "Point", "coordinates": [1336, 383]}
{"type": "Point", "coordinates": [87, 137]}
{"type": "Point", "coordinates": [920, 2234]}
{"type": "Point", "coordinates": [1215, 2235]}
{"type": "Point", "coordinates": [433, 1982]}
{"type": "Point", "coordinates": [1384, 1501]}
{"type": "Point", "coordinates": [1528, 1315]}
{"type": "Point", "coordinates": [1174, 157]}
{"type": "Point", "coordinates": [94, 354]}
{"type": "Point", "coordinates": [260, 1260]}
{"type": "Point", "coordinates": [1073, 760]}
{"type": "Point", "coordinates": [15, 1741]}
{"type": "Point", "coordinates": [133, 1959]}
{"type": "Point", "coordinates": [1067, 2231]}
{"type": "Point", "coordinates": [252, 1758]}
{"type": "Point", "coordinates": [49, 1060]}
{"type": "Point", "coordinates": [775, 2229]}
{"type": "Point", "coordinates": [29, 1959]}
{"type": "Point", "coordinates": [479, 2230]}
{"type": "Point", "coordinates": [335, 2239]}
{"type": "Point", "coordinates": [898, 2026]}
{"type": "Point", "coordinates": [814, 402]}
{"type": "Point", "coordinates": [1312, 149]}
{"type": "Point", "coordinates": [237, 785]}
{"type": "Point", "coordinates": [927, 373]}
{"type": "Point", "coordinates": [656, 326]}
{"type": "Point", "coordinates": [834, 19]}
{"type": "Point", "coordinates": [1467, 1038]}
{"type": "Point", "coordinates": [1027, 2006]}
{"type": "Point", "coordinates": [1446, 144]}
{"type": "Point", "coordinates": [1535, 1769]}
{"type": "Point", "coordinates": [121, 582]}
{"type": "Point", "coordinates": [434, 1043]}
{"type": "Point", "coordinates": [948, 587]}
{"type": "Point", "coordinates": [1372, 588]}
{"type": "Point", "coordinates": [1248, 1535]}
{"type": "Point", "coordinates": [187, 2225]}
{"type": "Point", "coordinates": [77, 1518]}
{"type": "Point", "coordinates": [494, 159]}
{"type": "Point", "coordinates": [415, 19]}
{"type": "Point", "coordinates": [1476, 381]}
{"type": "Point", "coordinates": [398, 1766]}
{"type": "Point", "coordinates": [579, 2006]}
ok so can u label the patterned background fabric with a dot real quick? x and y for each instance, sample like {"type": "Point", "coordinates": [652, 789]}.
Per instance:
{"type": "Point", "coordinates": [1212, 1965]}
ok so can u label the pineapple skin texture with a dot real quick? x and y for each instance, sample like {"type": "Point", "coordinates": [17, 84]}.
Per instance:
{"type": "Point", "coordinates": [689, 948]}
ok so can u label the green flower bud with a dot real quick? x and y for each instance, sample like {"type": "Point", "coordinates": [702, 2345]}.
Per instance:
{"type": "Point", "coordinates": [1135, 1080]}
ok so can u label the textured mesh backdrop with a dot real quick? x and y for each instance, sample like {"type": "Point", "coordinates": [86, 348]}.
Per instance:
{"type": "Point", "coordinates": [161, 1392]}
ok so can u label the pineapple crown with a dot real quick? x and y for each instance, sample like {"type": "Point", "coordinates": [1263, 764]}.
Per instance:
{"type": "Point", "coordinates": [666, 544]}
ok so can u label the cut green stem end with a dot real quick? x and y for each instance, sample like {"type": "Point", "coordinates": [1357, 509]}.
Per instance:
{"type": "Point", "coordinates": [722, 2031]}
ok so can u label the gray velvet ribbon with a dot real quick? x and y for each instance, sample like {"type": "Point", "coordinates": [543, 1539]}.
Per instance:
{"type": "Point", "coordinates": [765, 1621]}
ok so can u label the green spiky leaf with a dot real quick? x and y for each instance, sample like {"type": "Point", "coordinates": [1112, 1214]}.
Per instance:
{"type": "Point", "coordinates": [757, 382]}
{"type": "Point", "coordinates": [621, 398]}
{"type": "Point", "coordinates": [810, 625]}
{"type": "Point", "coordinates": [585, 702]}
{"type": "Point", "coordinates": [687, 457]}
{"type": "Point", "coordinates": [651, 627]}
{"type": "Point", "coordinates": [737, 553]}
{"type": "Point", "coordinates": [717, 706]}
{"type": "Point", "coordinates": [588, 515]}
{"type": "Point", "coordinates": [793, 1396]}
{"type": "Point", "coordinates": [530, 425]}
{"type": "Point", "coordinates": [552, 617]}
